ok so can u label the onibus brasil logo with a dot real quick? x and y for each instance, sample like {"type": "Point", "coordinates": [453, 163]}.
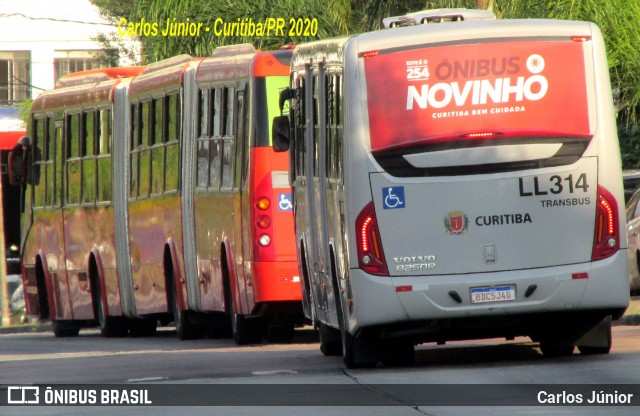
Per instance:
{"type": "Point", "coordinates": [456, 222]}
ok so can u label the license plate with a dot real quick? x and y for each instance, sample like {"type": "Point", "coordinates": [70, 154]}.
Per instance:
{"type": "Point", "coordinates": [493, 294]}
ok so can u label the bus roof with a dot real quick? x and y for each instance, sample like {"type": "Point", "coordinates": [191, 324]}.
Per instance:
{"type": "Point", "coordinates": [226, 62]}
{"type": "Point", "coordinates": [272, 63]}
{"type": "Point", "coordinates": [161, 75]}
{"type": "Point", "coordinates": [98, 75]}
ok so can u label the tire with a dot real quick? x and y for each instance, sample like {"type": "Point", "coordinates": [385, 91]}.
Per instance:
{"type": "Point", "coordinates": [141, 328]}
{"type": "Point", "coordinates": [398, 353]}
{"type": "Point", "coordinates": [110, 326]}
{"type": "Point", "coordinates": [219, 327]}
{"type": "Point", "coordinates": [281, 332]}
{"type": "Point", "coordinates": [244, 330]}
{"type": "Point", "coordinates": [65, 329]}
{"type": "Point", "coordinates": [356, 353]}
{"type": "Point", "coordinates": [330, 340]}
{"type": "Point", "coordinates": [185, 328]}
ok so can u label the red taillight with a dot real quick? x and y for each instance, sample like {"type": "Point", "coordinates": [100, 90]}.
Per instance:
{"type": "Point", "coordinates": [606, 239]}
{"type": "Point", "coordinates": [263, 221]}
{"type": "Point", "coordinates": [580, 38]}
{"type": "Point", "coordinates": [263, 203]}
{"type": "Point", "coordinates": [480, 135]}
{"type": "Point", "coordinates": [370, 54]}
{"type": "Point", "coordinates": [370, 254]}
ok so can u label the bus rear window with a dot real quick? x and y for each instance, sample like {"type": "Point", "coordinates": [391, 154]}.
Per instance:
{"type": "Point", "coordinates": [467, 92]}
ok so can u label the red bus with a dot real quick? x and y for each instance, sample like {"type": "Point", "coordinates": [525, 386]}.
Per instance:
{"type": "Point", "coordinates": [12, 128]}
{"type": "Point", "coordinates": [162, 201]}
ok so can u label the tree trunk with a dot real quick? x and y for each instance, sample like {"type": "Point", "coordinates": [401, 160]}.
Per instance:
{"type": "Point", "coordinates": [484, 4]}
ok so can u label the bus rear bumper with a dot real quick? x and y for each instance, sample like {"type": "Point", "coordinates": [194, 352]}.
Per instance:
{"type": "Point", "coordinates": [600, 288]}
{"type": "Point", "coordinates": [276, 281]}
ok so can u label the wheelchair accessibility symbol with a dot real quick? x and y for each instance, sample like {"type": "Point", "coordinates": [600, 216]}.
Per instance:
{"type": "Point", "coordinates": [284, 202]}
{"type": "Point", "coordinates": [393, 197]}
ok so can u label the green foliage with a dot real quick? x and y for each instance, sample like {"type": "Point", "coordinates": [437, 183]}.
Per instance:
{"type": "Point", "coordinates": [334, 18]}
{"type": "Point", "coordinates": [24, 108]}
{"type": "Point", "coordinates": [616, 19]}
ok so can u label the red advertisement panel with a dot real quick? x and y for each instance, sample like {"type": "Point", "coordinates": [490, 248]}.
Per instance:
{"type": "Point", "coordinates": [440, 93]}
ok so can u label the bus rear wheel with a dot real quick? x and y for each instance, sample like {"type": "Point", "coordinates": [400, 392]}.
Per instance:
{"type": "Point", "coordinates": [357, 353]}
{"type": "Point", "coordinates": [398, 353]}
{"type": "Point", "coordinates": [185, 328]}
{"type": "Point", "coordinates": [140, 328]}
{"type": "Point", "coordinates": [110, 326]}
{"type": "Point", "coordinates": [330, 340]}
{"type": "Point", "coordinates": [64, 329]}
{"type": "Point", "coordinates": [245, 330]}
{"type": "Point", "coordinates": [279, 332]}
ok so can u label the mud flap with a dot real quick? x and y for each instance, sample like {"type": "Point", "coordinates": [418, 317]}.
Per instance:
{"type": "Point", "coordinates": [598, 339]}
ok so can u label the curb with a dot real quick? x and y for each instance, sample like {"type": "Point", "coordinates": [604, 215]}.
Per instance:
{"type": "Point", "coordinates": [24, 329]}
{"type": "Point", "coordinates": [626, 320]}
{"type": "Point", "coordinates": [629, 320]}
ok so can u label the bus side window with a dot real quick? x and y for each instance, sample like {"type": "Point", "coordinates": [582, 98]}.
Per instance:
{"type": "Point", "coordinates": [202, 156]}
{"type": "Point", "coordinates": [104, 156]}
{"type": "Point", "coordinates": [144, 169]}
{"type": "Point", "coordinates": [172, 156]}
{"type": "Point", "coordinates": [50, 164]}
{"type": "Point", "coordinates": [88, 159]}
{"type": "Point", "coordinates": [157, 142]}
{"type": "Point", "coordinates": [215, 137]}
{"type": "Point", "coordinates": [134, 135]}
{"type": "Point", "coordinates": [299, 119]}
{"type": "Point", "coordinates": [74, 166]}
{"type": "Point", "coordinates": [240, 140]}
{"type": "Point", "coordinates": [227, 142]}
{"type": "Point", "coordinates": [39, 141]}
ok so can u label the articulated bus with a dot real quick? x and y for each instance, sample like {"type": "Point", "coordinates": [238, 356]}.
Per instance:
{"type": "Point", "coordinates": [457, 177]}
{"type": "Point", "coordinates": [12, 128]}
{"type": "Point", "coordinates": [154, 195]}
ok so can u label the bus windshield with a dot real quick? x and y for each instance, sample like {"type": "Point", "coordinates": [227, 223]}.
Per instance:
{"type": "Point", "coordinates": [267, 97]}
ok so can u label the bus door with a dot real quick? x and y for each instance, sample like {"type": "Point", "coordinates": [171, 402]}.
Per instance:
{"type": "Point", "coordinates": [56, 261]}
{"type": "Point", "coordinates": [241, 226]}
{"type": "Point", "coordinates": [316, 192]}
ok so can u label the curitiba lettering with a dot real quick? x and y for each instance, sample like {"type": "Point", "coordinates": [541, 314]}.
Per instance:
{"type": "Point", "coordinates": [477, 92]}
{"type": "Point", "coordinates": [504, 219]}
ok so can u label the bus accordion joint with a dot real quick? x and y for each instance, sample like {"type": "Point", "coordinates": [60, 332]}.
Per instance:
{"type": "Point", "coordinates": [370, 253]}
{"type": "Point", "coordinates": [606, 239]}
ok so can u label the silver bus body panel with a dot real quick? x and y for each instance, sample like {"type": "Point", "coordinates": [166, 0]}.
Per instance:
{"type": "Point", "coordinates": [370, 300]}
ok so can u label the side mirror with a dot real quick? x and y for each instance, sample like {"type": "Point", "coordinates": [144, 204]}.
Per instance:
{"type": "Point", "coordinates": [281, 133]}
{"type": "Point", "coordinates": [18, 162]}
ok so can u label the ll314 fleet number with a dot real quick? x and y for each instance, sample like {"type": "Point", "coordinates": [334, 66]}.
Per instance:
{"type": "Point", "coordinates": [555, 185]}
